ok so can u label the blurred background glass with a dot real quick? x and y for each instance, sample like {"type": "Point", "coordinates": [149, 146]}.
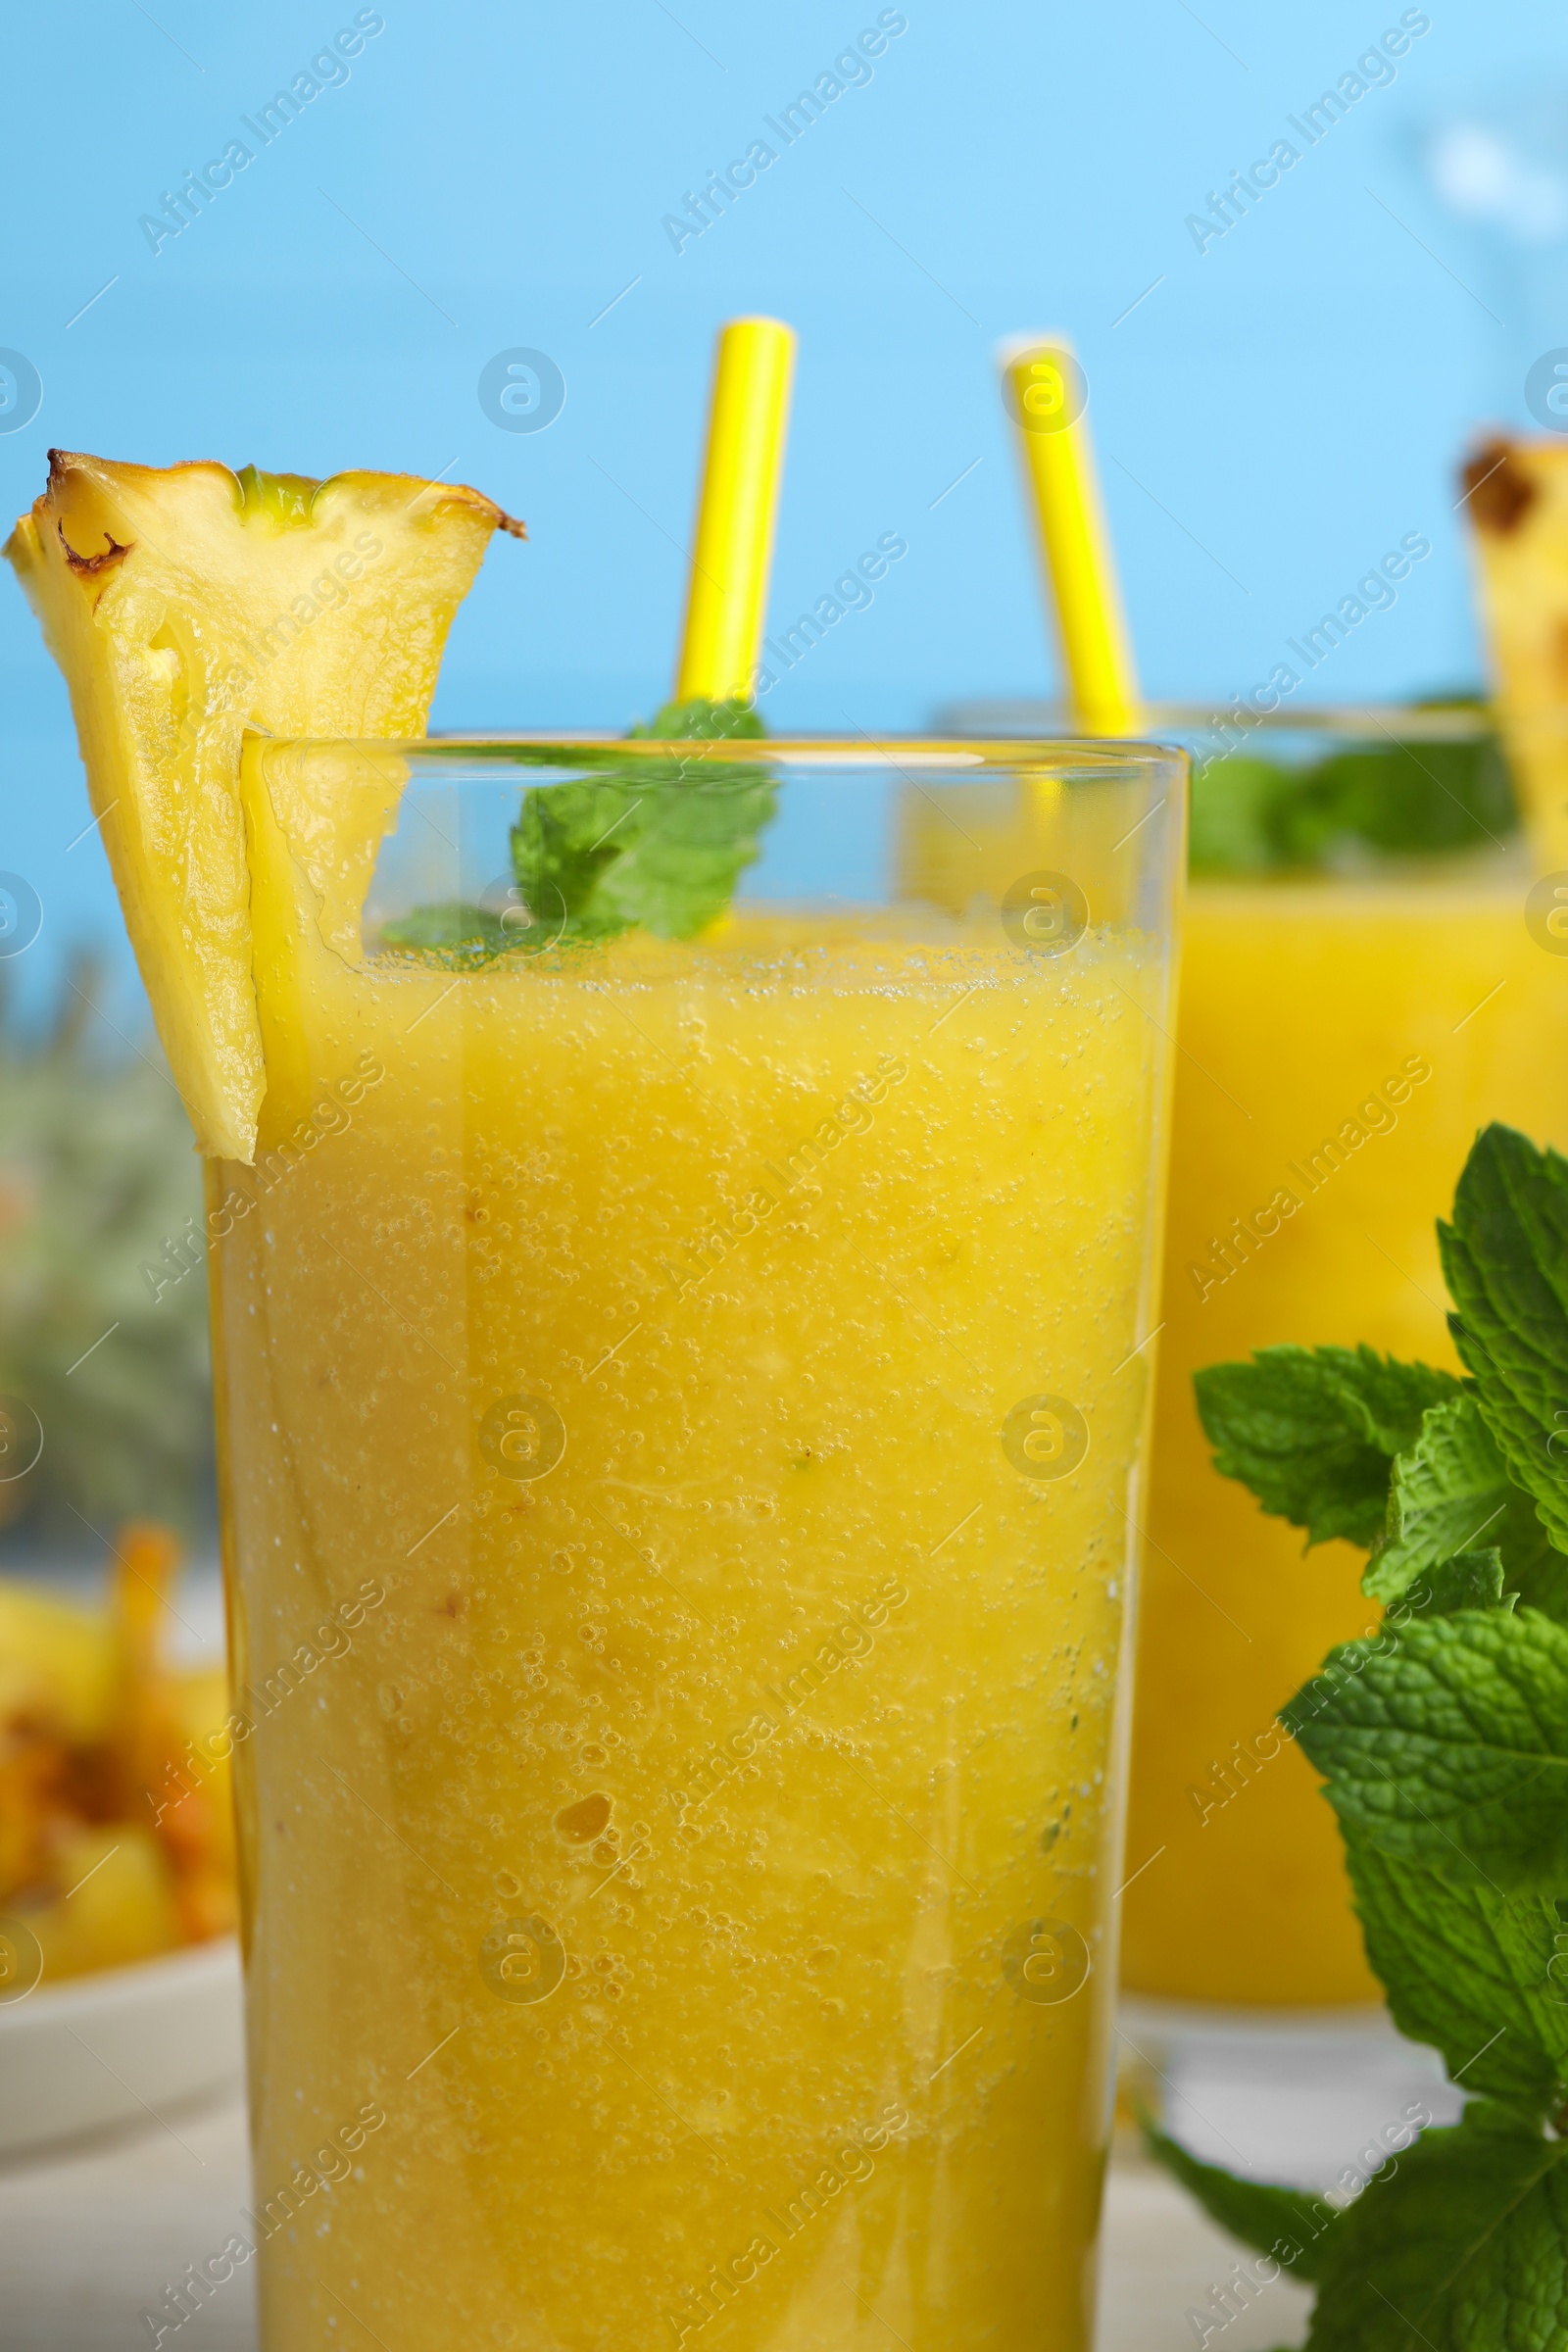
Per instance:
{"type": "Point", "coordinates": [1360, 992]}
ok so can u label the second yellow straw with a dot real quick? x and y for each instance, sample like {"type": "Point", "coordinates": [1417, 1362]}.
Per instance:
{"type": "Point", "coordinates": [1046, 396]}
{"type": "Point", "coordinates": [726, 601]}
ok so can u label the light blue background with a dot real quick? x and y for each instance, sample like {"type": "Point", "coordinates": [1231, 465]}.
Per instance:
{"type": "Point", "coordinates": [1274, 414]}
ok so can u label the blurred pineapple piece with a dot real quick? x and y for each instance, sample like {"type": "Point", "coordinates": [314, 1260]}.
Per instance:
{"type": "Point", "coordinates": [56, 1685]}
{"type": "Point", "coordinates": [1516, 496]}
{"type": "Point", "coordinates": [118, 1903]}
{"type": "Point", "coordinates": [34, 1781]}
{"type": "Point", "coordinates": [185, 604]}
{"type": "Point", "coordinates": [57, 1664]}
{"type": "Point", "coordinates": [116, 1819]}
{"type": "Point", "coordinates": [159, 1762]}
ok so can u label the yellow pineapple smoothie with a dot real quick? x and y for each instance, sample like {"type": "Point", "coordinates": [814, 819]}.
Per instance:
{"type": "Point", "coordinates": [1340, 1043]}
{"type": "Point", "coordinates": [682, 1404]}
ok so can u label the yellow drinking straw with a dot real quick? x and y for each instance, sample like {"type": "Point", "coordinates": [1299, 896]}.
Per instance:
{"type": "Point", "coordinates": [1046, 397]}
{"type": "Point", "coordinates": [728, 591]}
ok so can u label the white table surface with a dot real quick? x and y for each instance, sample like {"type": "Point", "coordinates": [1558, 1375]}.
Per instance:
{"type": "Point", "coordinates": [88, 2239]}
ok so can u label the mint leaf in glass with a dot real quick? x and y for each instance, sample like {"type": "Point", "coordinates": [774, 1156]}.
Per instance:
{"type": "Point", "coordinates": [1401, 799]}
{"type": "Point", "coordinates": [1234, 828]}
{"type": "Point", "coordinates": [656, 843]}
{"type": "Point", "coordinates": [452, 932]}
{"type": "Point", "coordinates": [659, 845]}
{"type": "Point", "coordinates": [1254, 816]}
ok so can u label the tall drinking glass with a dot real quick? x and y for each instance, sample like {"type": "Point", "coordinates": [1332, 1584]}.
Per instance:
{"type": "Point", "coordinates": [683, 1401]}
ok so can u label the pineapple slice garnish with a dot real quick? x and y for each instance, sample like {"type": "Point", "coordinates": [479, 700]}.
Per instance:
{"type": "Point", "coordinates": [185, 604]}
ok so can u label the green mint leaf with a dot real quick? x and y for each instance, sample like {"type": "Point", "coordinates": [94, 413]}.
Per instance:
{"type": "Point", "coordinates": [660, 845]}
{"type": "Point", "coordinates": [1461, 2247]}
{"type": "Point", "coordinates": [1470, 1972]}
{"type": "Point", "coordinates": [1505, 1257]}
{"type": "Point", "coordinates": [706, 722]}
{"type": "Point", "coordinates": [564, 837]}
{"type": "Point", "coordinates": [1232, 819]}
{"type": "Point", "coordinates": [1400, 799]}
{"type": "Point", "coordinates": [1311, 1431]}
{"type": "Point", "coordinates": [1255, 2212]}
{"type": "Point", "coordinates": [1450, 1493]}
{"type": "Point", "coordinates": [1471, 1579]}
{"type": "Point", "coordinates": [1254, 815]}
{"type": "Point", "coordinates": [1445, 1743]}
{"type": "Point", "coordinates": [1542, 1582]}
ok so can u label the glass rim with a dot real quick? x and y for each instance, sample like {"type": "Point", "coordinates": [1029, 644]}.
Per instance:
{"type": "Point", "coordinates": [1108, 757]}
{"type": "Point", "coordinates": [1459, 722]}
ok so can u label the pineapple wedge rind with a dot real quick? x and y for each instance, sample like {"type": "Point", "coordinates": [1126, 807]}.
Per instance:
{"type": "Point", "coordinates": [185, 604]}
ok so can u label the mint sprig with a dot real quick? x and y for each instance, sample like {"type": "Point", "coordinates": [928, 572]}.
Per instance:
{"type": "Point", "coordinates": [1254, 816]}
{"type": "Point", "coordinates": [1444, 1743]}
{"type": "Point", "coordinates": [657, 845]}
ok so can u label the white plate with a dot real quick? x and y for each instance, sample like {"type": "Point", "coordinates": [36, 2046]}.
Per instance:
{"type": "Point", "coordinates": [119, 2046]}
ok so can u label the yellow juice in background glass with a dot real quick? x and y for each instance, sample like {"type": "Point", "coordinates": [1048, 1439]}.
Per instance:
{"type": "Point", "coordinates": [680, 1432]}
{"type": "Point", "coordinates": [1312, 1013]}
